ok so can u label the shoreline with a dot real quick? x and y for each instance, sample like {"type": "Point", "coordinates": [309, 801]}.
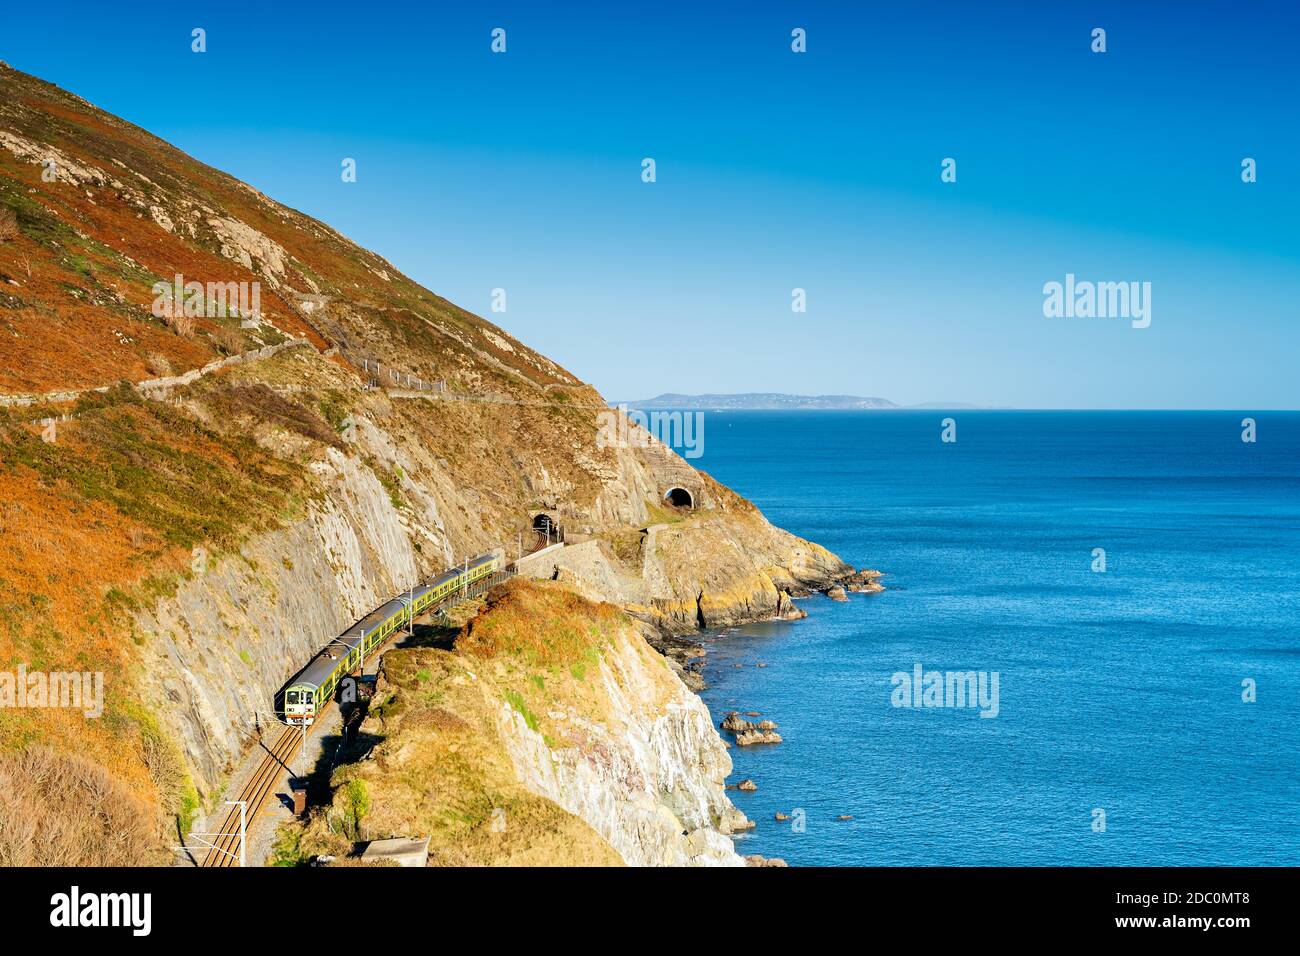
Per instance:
{"type": "Point", "coordinates": [688, 654]}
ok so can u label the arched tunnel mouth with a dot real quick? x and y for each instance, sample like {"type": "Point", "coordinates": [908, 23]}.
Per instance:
{"type": "Point", "coordinates": [679, 498]}
{"type": "Point", "coordinates": [544, 524]}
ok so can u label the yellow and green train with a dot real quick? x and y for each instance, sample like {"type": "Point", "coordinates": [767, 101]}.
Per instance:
{"type": "Point", "coordinates": [314, 686]}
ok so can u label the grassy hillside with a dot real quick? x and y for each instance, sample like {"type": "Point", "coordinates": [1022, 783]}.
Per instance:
{"type": "Point", "coordinates": [102, 209]}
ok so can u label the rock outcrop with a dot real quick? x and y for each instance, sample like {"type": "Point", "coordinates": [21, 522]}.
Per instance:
{"type": "Point", "coordinates": [865, 581]}
{"type": "Point", "coordinates": [708, 569]}
{"type": "Point", "coordinates": [747, 733]}
{"type": "Point", "coordinates": [595, 725]}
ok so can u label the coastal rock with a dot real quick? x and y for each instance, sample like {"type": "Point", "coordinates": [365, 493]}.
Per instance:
{"type": "Point", "coordinates": [735, 723]}
{"type": "Point", "coordinates": [732, 820]}
{"type": "Point", "coordinates": [755, 860]}
{"type": "Point", "coordinates": [747, 785]}
{"type": "Point", "coordinates": [652, 768]}
{"type": "Point", "coordinates": [747, 738]}
{"type": "Point", "coordinates": [836, 593]}
{"type": "Point", "coordinates": [692, 678]}
{"type": "Point", "coordinates": [749, 733]}
{"type": "Point", "coordinates": [786, 609]}
{"type": "Point", "coordinates": [782, 816]}
{"type": "Point", "coordinates": [739, 567]}
{"type": "Point", "coordinates": [863, 582]}
{"type": "Point", "coordinates": [685, 656]}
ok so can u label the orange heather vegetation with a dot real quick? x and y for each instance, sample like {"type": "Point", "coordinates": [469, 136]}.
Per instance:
{"type": "Point", "coordinates": [96, 523]}
{"type": "Point", "coordinates": [129, 210]}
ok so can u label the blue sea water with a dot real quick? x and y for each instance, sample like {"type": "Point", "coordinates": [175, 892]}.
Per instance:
{"type": "Point", "coordinates": [1119, 691]}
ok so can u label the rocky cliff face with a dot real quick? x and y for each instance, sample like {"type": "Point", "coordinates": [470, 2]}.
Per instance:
{"type": "Point", "coordinates": [649, 776]}
{"type": "Point", "coordinates": [698, 570]}
{"type": "Point", "coordinates": [227, 641]}
{"type": "Point", "coordinates": [382, 511]}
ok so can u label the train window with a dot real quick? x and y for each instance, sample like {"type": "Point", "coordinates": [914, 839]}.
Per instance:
{"type": "Point", "coordinates": [292, 697]}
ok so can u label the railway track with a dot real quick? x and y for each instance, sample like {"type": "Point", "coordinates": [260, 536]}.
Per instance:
{"type": "Point", "coordinates": [225, 848]}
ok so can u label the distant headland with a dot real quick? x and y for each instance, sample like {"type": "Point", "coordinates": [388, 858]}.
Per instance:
{"type": "Point", "coordinates": [775, 401]}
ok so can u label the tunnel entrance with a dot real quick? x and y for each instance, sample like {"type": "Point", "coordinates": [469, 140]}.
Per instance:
{"type": "Point", "coordinates": [679, 498]}
{"type": "Point", "coordinates": [547, 530]}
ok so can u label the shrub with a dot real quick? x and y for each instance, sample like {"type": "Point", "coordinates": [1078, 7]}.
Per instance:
{"type": "Point", "coordinates": [358, 798]}
{"type": "Point", "coordinates": [287, 850]}
{"type": "Point", "coordinates": [158, 365]}
{"type": "Point", "coordinates": [182, 325]}
{"type": "Point", "coordinates": [227, 340]}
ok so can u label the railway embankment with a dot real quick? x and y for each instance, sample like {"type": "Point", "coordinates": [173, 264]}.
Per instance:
{"type": "Point", "coordinates": [550, 733]}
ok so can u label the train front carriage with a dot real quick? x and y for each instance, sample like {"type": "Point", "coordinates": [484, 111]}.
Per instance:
{"type": "Point", "coordinates": [300, 704]}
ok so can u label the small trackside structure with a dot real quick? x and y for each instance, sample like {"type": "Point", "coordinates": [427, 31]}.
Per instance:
{"type": "Point", "coordinates": [401, 851]}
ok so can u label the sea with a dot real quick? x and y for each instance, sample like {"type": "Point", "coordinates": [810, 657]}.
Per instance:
{"type": "Point", "coordinates": [1131, 578]}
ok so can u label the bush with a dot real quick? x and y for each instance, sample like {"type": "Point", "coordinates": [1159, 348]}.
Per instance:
{"type": "Point", "coordinates": [358, 800]}
{"type": "Point", "coordinates": [227, 340]}
{"type": "Point", "coordinates": [158, 365]}
{"type": "Point", "coordinates": [182, 325]}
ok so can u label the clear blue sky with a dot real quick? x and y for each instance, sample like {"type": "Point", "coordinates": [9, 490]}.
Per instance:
{"type": "Point", "coordinates": [775, 170]}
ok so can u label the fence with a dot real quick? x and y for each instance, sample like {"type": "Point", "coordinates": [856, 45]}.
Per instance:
{"type": "Point", "coordinates": [376, 377]}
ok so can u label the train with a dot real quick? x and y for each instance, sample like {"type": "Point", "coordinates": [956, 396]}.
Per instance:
{"type": "Point", "coordinates": [315, 684]}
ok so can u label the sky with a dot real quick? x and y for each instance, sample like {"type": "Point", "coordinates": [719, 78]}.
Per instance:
{"type": "Point", "coordinates": [775, 170]}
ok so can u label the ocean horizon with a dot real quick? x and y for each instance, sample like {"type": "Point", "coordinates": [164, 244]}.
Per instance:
{"type": "Point", "coordinates": [1122, 735]}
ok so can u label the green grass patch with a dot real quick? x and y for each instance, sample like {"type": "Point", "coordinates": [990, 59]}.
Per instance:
{"type": "Point", "coordinates": [287, 849]}
{"type": "Point", "coordinates": [516, 700]}
{"type": "Point", "coordinates": [162, 469]}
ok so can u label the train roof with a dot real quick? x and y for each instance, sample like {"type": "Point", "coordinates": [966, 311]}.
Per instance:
{"type": "Point", "coordinates": [327, 658]}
